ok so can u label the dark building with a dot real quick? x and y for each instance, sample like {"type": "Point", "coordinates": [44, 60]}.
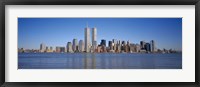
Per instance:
{"type": "Point", "coordinates": [148, 47]}
{"type": "Point", "coordinates": [142, 44]}
{"type": "Point", "coordinates": [123, 43]}
{"type": "Point", "coordinates": [62, 49]}
{"type": "Point", "coordinates": [123, 46]}
{"type": "Point", "coordinates": [103, 42]}
{"type": "Point", "coordinates": [110, 45]}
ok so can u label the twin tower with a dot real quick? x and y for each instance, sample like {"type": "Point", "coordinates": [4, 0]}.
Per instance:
{"type": "Point", "coordinates": [88, 46]}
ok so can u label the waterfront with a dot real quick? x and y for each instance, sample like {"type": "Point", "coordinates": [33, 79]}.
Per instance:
{"type": "Point", "coordinates": [99, 61]}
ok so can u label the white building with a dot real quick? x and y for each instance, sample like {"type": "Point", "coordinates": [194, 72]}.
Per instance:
{"type": "Point", "coordinates": [75, 45]}
{"type": "Point", "coordinates": [87, 39]}
{"type": "Point", "coordinates": [152, 45]}
{"type": "Point", "coordinates": [94, 39]}
{"type": "Point", "coordinates": [69, 47]}
{"type": "Point", "coordinates": [81, 46]}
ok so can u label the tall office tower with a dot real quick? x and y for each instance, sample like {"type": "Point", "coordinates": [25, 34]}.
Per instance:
{"type": "Point", "coordinates": [114, 44]}
{"type": "Point", "coordinates": [103, 42]}
{"type": "Point", "coordinates": [94, 38]}
{"type": "Point", "coordinates": [153, 48]}
{"type": "Point", "coordinates": [119, 42]}
{"type": "Point", "coordinates": [94, 46]}
{"type": "Point", "coordinates": [128, 46]}
{"type": "Point", "coordinates": [75, 45]}
{"type": "Point", "coordinates": [81, 46]}
{"type": "Point", "coordinates": [148, 47]}
{"type": "Point", "coordinates": [42, 47]}
{"type": "Point", "coordinates": [94, 35]}
{"type": "Point", "coordinates": [123, 45]}
{"type": "Point", "coordinates": [114, 41]}
{"type": "Point", "coordinates": [87, 39]}
{"type": "Point", "coordinates": [110, 45]}
{"type": "Point", "coordinates": [69, 47]}
{"type": "Point", "coordinates": [118, 46]}
{"type": "Point", "coordinates": [142, 43]}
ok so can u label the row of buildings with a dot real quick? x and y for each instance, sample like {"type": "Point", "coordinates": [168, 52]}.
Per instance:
{"type": "Point", "coordinates": [114, 46]}
{"type": "Point", "coordinates": [89, 45]}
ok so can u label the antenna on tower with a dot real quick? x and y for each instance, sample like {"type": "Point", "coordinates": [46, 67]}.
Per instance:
{"type": "Point", "coordinates": [87, 24]}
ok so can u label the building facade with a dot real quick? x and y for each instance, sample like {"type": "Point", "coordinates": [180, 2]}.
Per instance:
{"type": "Point", "coordinates": [110, 44]}
{"type": "Point", "coordinates": [142, 44]}
{"type": "Point", "coordinates": [148, 47]}
{"type": "Point", "coordinates": [42, 47]}
{"type": "Point", "coordinates": [81, 46]}
{"type": "Point", "coordinates": [94, 39]}
{"type": "Point", "coordinates": [75, 45]}
{"type": "Point", "coordinates": [153, 48]}
{"type": "Point", "coordinates": [69, 47]}
{"type": "Point", "coordinates": [58, 49]}
{"type": "Point", "coordinates": [87, 39]}
{"type": "Point", "coordinates": [103, 42]}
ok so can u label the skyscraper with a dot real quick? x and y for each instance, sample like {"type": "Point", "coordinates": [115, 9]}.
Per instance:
{"type": "Point", "coordinates": [94, 35]}
{"type": "Point", "coordinates": [75, 45]}
{"type": "Point", "coordinates": [94, 39]}
{"type": "Point", "coordinates": [148, 47]}
{"type": "Point", "coordinates": [69, 47]}
{"type": "Point", "coordinates": [119, 42]}
{"type": "Point", "coordinates": [118, 46]}
{"type": "Point", "coordinates": [110, 43]}
{"type": "Point", "coordinates": [103, 42]}
{"type": "Point", "coordinates": [94, 46]}
{"type": "Point", "coordinates": [128, 46]}
{"type": "Point", "coordinates": [142, 43]}
{"type": "Point", "coordinates": [87, 39]}
{"type": "Point", "coordinates": [114, 44]}
{"type": "Point", "coordinates": [123, 45]}
{"type": "Point", "coordinates": [153, 48]}
{"type": "Point", "coordinates": [114, 41]}
{"type": "Point", "coordinates": [81, 46]}
{"type": "Point", "coordinates": [42, 47]}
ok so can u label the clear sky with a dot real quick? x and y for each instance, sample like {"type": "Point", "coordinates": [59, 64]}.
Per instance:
{"type": "Point", "coordinates": [166, 32]}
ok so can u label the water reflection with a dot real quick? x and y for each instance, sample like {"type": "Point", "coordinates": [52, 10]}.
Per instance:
{"type": "Point", "coordinates": [89, 61]}
{"type": "Point", "coordinates": [99, 61]}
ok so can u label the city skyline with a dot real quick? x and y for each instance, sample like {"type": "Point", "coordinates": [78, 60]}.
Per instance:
{"type": "Point", "coordinates": [172, 36]}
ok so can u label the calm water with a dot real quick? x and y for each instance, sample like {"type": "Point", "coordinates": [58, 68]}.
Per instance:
{"type": "Point", "coordinates": [99, 61]}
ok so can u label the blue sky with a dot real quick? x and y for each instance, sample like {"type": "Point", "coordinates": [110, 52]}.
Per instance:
{"type": "Point", "coordinates": [167, 32]}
